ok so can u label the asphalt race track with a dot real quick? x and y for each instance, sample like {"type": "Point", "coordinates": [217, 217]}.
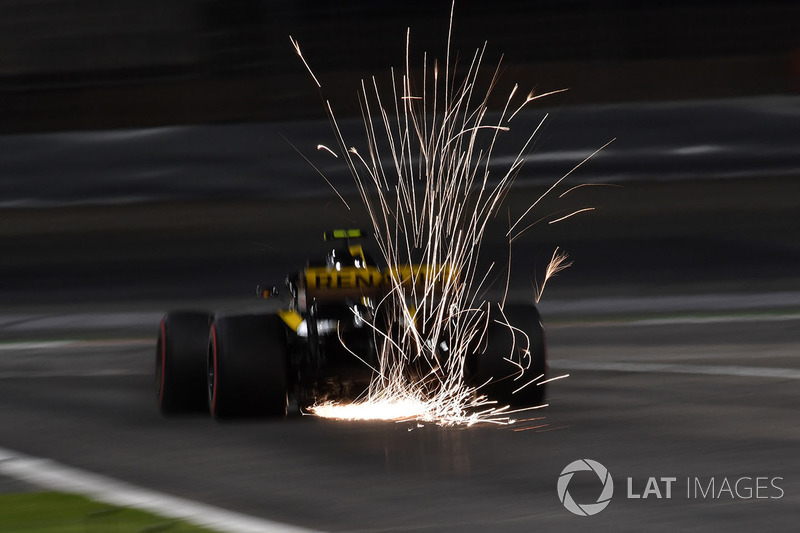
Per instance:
{"type": "Point", "coordinates": [678, 326]}
{"type": "Point", "coordinates": [93, 408]}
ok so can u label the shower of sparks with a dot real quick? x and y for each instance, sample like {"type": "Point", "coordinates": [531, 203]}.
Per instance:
{"type": "Point", "coordinates": [561, 219]}
{"type": "Point", "coordinates": [557, 263]}
{"type": "Point", "coordinates": [318, 171]}
{"type": "Point", "coordinates": [431, 207]}
{"type": "Point", "coordinates": [323, 147]}
{"type": "Point", "coordinates": [296, 46]}
{"type": "Point", "coordinates": [582, 185]}
{"type": "Point", "coordinates": [531, 97]}
{"type": "Point", "coordinates": [400, 402]}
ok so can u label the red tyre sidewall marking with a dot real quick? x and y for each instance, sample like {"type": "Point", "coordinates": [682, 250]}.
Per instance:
{"type": "Point", "coordinates": [216, 369]}
{"type": "Point", "coordinates": [163, 327]}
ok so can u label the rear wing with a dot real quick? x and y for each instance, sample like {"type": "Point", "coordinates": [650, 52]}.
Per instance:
{"type": "Point", "coordinates": [326, 283]}
{"type": "Point", "coordinates": [344, 234]}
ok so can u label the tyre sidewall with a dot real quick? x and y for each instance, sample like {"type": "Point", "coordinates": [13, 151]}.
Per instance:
{"type": "Point", "coordinates": [505, 385]}
{"type": "Point", "coordinates": [180, 362]}
{"type": "Point", "coordinates": [248, 354]}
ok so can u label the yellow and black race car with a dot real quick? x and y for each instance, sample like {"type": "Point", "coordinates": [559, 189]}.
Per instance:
{"type": "Point", "coordinates": [268, 363]}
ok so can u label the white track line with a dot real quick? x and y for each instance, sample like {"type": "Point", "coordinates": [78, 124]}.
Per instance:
{"type": "Point", "coordinates": [67, 343]}
{"type": "Point", "coordinates": [720, 303]}
{"type": "Point", "coordinates": [34, 345]}
{"type": "Point", "coordinates": [51, 475]}
{"type": "Point", "coordinates": [671, 368]}
{"type": "Point", "coordinates": [714, 319]}
{"type": "Point", "coordinates": [44, 374]}
{"type": "Point", "coordinates": [676, 321]}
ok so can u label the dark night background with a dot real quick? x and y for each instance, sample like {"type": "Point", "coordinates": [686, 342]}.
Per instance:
{"type": "Point", "coordinates": [129, 63]}
{"type": "Point", "coordinates": [152, 158]}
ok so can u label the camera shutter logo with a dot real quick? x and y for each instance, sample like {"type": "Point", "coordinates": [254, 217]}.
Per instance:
{"type": "Point", "coordinates": [587, 509]}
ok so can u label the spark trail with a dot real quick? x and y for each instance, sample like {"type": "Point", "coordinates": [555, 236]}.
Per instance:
{"type": "Point", "coordinates": [431, 208]}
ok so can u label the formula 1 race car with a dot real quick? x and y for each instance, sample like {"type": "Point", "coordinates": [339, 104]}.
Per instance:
{"type": "Point", "coordinates": [258, 364]}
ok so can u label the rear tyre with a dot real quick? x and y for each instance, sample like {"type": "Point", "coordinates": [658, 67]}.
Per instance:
{"type": "Point", "coordinates": [181, 363]}
{"type": "Point", "coordinates": [504, 382]}
{"type": "Point", "coordinates": [247, 367]}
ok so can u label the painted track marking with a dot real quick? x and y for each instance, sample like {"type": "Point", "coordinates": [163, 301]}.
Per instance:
{"type": "Point", "coordinates": [52, 475]}
{"type": "Point", "coordinates": [672, 368]}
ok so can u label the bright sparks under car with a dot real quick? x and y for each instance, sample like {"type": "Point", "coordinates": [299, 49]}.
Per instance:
{"type": "Point", "coordinates": [328, 342]}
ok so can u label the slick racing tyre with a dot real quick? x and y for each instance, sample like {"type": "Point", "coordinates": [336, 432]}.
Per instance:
{"type": "Point", "coordinates": [490, 362]}
{"type": "Point", "coordinates": [247, 367]}
{"type": "Point", "coordinates": [181, 363]}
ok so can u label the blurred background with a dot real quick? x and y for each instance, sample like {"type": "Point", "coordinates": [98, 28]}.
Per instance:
{"type": "Point", "coordinates": [124, 63]}
{"type": "Point", "coordinates": [153, 157]}
{"type": "Point", "coordinates": [181, 123]}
